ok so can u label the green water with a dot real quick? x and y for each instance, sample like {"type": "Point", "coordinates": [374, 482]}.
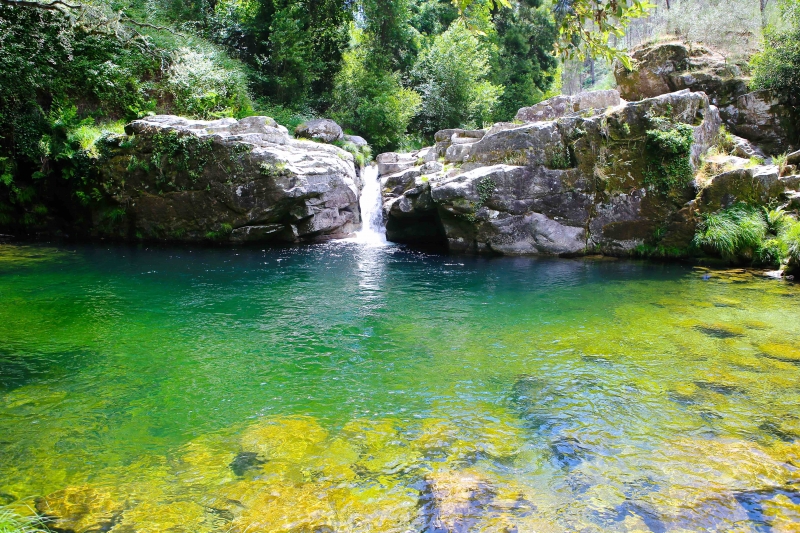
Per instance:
{"type": "Point", "coordinates": [347, 388]}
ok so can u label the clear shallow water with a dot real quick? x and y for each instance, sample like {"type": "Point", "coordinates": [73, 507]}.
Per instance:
{"type": "Point", "coordinates": [342, 387]}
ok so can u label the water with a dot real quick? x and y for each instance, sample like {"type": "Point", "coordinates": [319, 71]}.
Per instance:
{"type": "Point", "coordinates": [373, 232]}
{"type": "Point", "coordinates": [360, 388]}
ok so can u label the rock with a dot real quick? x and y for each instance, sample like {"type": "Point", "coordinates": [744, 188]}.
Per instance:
{"type": "Point", "coordinates": [745, 149]}
{"type": "Point", "coordinates": [575, 185]}
{"type": "Point", "coordinates": [561, 106]}
{"type": "Point", "coordinates": [322, 129]}
{"type": "Point", "coordinates": [390, 162]}
{"type": "Point", "coordinates": [761, 116]}
{"type": "Point", "coordinates": [79, 509]}
{"type": "Point", "coordinates": [226, 181]}
{"type": "Point", "coordinates": [456, 499]}
{"type": "Point", "coordinates": [355, 139]}
{"type": "Point", "coordinates": [756, 185]}
{"type": "Point", "coordinates": [793, 158]}
{"type": "Point", "coordinates": [764, 118]}
{"type": "Point", "coordinates": [673, 66]}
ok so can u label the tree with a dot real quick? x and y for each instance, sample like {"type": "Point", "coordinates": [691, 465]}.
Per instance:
{"type": "Point", "coordinates": [524, 64]}
{"type": "Point", "coordinates": [585, 27]}
{"type": "Point", "coordinates": [451, 77]}
{"type": "Point", "coordinates": [777, 67]}
{"type": "Point", "coordinates": [372, 102]}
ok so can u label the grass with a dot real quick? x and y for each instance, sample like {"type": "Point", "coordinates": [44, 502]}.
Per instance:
{"type": "Point", "coordinates": [733, 232]}
{"type": "Point", "coordinates": [11, 522]}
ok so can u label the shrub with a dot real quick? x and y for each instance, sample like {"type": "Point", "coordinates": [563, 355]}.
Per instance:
{"type": "Point", "coordinates": [734, 233]}
{"type": "Point", "coordinates": [777, 67]}
{"type": "Point", "coordinates": [372, 102]}
{"type": "Point", "coordinates": [669, 166]}
{"type": "Point", "coordinates": [451, 77]}
{"type": "Point", "coordinates": [11, 522]}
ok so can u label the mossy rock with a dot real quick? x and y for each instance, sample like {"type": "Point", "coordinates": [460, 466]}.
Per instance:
{"type": "Point", "coordinates": [783, 352]}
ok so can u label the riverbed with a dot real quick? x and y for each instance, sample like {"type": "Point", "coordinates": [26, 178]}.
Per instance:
{"type": "Point", "coordinates": [353, 387]}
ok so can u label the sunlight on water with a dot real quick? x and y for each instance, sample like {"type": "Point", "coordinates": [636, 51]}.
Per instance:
{"type": "Point", "coordinates": [344, 387]}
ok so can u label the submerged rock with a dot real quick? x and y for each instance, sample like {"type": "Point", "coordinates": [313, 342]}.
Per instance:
{"type": "Point", "coordinates": [79, 509]}
{"type": "Point", "coordinates": [225, 181]}
{"type": "Point", "coordinates": [457, 500]}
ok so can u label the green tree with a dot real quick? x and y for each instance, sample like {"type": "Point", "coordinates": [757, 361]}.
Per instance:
{"type": "Point", "coordinates": [293, 46]}
{"type": "Point", "coordinates": [451, 76]}
{"type": "Point", "coordinates": [524, 64]}
{"type": "Point", "coordinates": [777, 67]}
{"type": "Point", "coordinates": [371, 101]}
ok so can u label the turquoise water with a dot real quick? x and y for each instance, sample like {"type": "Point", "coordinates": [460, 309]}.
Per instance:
{"type": "Point", "coordinates": [348, 388]}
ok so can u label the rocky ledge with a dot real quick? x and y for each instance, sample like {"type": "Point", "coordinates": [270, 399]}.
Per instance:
{"type": "Point", "coordinates": [224, 180]}
{"type": "Point", "coordinates": [586, 174]}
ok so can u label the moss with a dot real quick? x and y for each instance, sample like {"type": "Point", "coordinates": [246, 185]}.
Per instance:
{"type": "Point", "coordinates": [784, 352]}
{"type": "Point", "coordinates": [668, 154]}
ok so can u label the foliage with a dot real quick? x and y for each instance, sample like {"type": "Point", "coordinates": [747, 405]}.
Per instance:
{"type": "Point", "coordinates": [524, 63]}
{"type": "Point", "coordinates": [451, 78]}
{"type": "Point", "coordinates": [11, 522]}
{"type": "Point", "coordinates": [669, 166]}
{"type": "Point", "coordinates": [293, 47]}
{"type": "Point", "coordinates": [735, 232]}
{"type": "Point", "coordinates": [362, 155]}
{"type": "Point", "coordinates": [586, 27]}
{"type": "Point", "coordinates": [372, 102]}
{"type": "Point", "coordinates": [777, 67]}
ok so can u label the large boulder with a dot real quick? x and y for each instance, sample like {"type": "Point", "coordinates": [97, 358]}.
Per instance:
{"type": "Point", "coordinates": [322, 129]}
{"type": "Point", "coordinates": [561, 106]}
{"type": "Point", "coordinates": [759, 116]}
{"type": "Point", "coordinates": [575, 185]}
{"type": "Point", "coordinates": [238, 181]}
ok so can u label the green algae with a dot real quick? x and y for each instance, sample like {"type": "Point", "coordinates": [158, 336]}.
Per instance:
{"type": "Point", "coordinates": [325, 389]}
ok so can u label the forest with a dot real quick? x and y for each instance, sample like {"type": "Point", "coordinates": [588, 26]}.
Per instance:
{"type": "Point", "coordinates": [393, 72]}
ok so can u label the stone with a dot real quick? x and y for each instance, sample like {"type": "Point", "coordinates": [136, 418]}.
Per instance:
{"type": "Point", "coordinates": [225, 181]}
{"type": "Point", "coordinates": [745, 149]}
{"type": "Point", "coordinates": [355, 139]}
{"type": "Point", "coordinates": [563, 105]}
{"type": "Point", "coordinates": [570, 186]}
{"type": "Point", "coordinates": [79, 509]}
{"type": "Point", "coordinates": [755, 185]}
{"type": "Point", "coordinates": [322, 129]}
{"type": "Point", "coordinates": [391, 162]}
{"type": "Point", "coordinates": [764, 118]}
{"type": "Point", "coordinates": [793, 158]}
{"type": "Point", "coordinates": [761, 117]}
{"type": "Point", "coordinates": [456, 500]}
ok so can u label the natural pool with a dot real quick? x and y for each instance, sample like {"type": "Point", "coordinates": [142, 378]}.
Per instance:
{"type": "Point", "coordinates": [348, 388]}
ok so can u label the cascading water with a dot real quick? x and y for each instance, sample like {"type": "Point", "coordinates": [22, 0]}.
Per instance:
{"type": "Point", "coordinates": [372, 232]}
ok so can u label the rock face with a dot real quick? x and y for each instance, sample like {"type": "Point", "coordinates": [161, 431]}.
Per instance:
{"type": "Point", "coordinates": [570, 186]}
{"type": "Point", "coordinates": [322, 129]}
{"type": "Point", "coordinates": [563, 105]}
{"type": "Point", "coordinates": [225, 180]}
{"type": "Point", "coordinates": [758, 116]}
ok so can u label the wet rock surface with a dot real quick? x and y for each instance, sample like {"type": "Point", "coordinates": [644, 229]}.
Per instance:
{"type": "Point", "coordinates": [224, 181]}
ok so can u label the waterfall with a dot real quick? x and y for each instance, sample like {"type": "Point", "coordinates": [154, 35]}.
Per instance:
{"type": "Point", "coordinates": [372, 232]}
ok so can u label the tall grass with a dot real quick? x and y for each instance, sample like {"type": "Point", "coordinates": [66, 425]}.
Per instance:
{"type": "Point", "coordinates": [735, 232]}
{"type": "Point", "coordinates": [11, 522]}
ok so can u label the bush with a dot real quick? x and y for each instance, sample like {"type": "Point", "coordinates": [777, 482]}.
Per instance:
{"type": "Point", "coordinates": [669, 165]}
{"type": "Point", "coordinates": [372, 102]}
{"type": "Point", "coordinates": [777, 67]}
{"type": "Point", "coordinates": [451, 77]}
{"type": "Point", "coordinates": [734, 233]}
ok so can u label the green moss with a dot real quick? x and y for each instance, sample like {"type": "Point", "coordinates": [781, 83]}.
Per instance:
{"type": "Point", "coordinates": [668, 155]}
{"type": "Point", "coordinates": [182, 153]}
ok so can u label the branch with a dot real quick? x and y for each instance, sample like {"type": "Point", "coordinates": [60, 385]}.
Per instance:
{"type": "Point", "coordinates": [52, 6]}
{"type": "Point", "coordinates": [126, 18]}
